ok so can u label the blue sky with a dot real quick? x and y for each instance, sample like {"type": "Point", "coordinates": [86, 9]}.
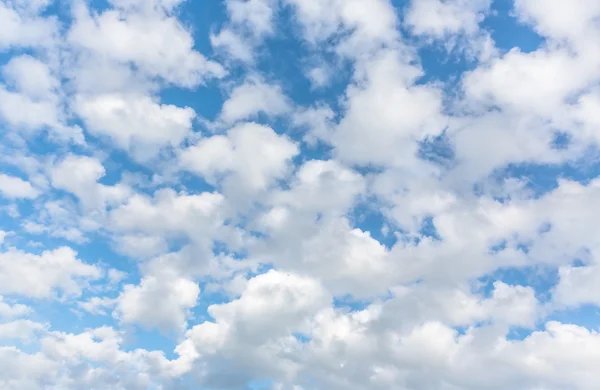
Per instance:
{"type": "Point", "coordinates": [299, 194]}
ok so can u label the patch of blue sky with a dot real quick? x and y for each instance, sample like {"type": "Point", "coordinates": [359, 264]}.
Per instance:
{"type": "Point", "coordinates": [348, 303]}
{"type": "Point", "coordinates": [437, 150]}
{"type": "Point", "coordinates": [428, 229]}
{"type": "Point", "coordinates": [542, 279]}
{"type": "Point", "coordinates": [368, 216]}
{"type": "Point", "coordinates": [206, 101]}
{"type": "Point", "coordinates": [543, 178]}
{"type": "Point", "coordinates": [260, 385]}
{"type": "Point", "coordinates": [507, 31]}
{"type": "Point", "coordinates": [443, 65]}
{"type": "Point", "coordinates": [151, 340]}
{"type": "Point", "coordinates": [587, 316]}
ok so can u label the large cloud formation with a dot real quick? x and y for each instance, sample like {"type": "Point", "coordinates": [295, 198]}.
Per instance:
{"type": "Point", "coordinates": [299, 194]}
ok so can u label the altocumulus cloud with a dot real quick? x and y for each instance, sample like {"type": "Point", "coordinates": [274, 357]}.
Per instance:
{"type": "Point", "coordinates": [299, 194]}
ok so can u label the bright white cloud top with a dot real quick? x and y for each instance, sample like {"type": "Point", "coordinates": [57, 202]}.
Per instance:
{"type": "Point", "coordinates": [300, 194]}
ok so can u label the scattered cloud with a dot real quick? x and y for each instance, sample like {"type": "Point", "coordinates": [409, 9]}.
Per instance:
{"type": "Point", "coordinates": [299, 194]}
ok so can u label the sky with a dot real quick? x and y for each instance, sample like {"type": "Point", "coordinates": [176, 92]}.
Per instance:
{"type": "Point", "coordinates": [299, 194]}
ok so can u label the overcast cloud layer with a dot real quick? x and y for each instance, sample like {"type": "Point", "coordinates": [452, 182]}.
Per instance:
{"type": "Point", "coordinates": [300, 194]}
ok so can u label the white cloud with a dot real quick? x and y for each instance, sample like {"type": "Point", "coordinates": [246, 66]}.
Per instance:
{"type": "Point", "coordinates": [323, 186]}
{"type": "Point", "coordinates": [256, 15]}
{"type": "Point", "coordinates": [557, 19]}
{"type": "Point", "coordinates": [24, 371]}
{"type": "Point", "coordinates": [22, 27]}
{"type": "Point", "coordinates": [440, 18]}
{"type": "Point", "coordinates": [169, 213]}
{"type": "Point", "coordinates": [342, 218]}
{"type": "Point", "coordinates": [514, 305]}
{"type": "Point", "coordinates": [79, 175]}
{"type": "Point", "coordinates": [31, 103]}
{"type": "Point", "coordinates": [192, 223]}
{"type": "Point", "coordinates": [412, 306]}
{"type": "Point", "coordinates": [400, 113]}
{"type": "Point", "coordinates": [19, 110]}
{"type": "Point", "coordinates": [577, 286]}
{"type": "Point", "coordinates": [254, 97]}
{"type": "Point", "coordinates": [93, 359]}
{"type": "Point", "coordinates": [165, 5]}
{"type": "Point", "coordinates": [32, 116]}
{"type": "Point", "coordinates": [115, 276]}
{"type": "Point", "coordinates": [271, 306]}
{"type": "Point", "coordinates": [233, 44]}
{"type": "Point", "coordinates": [136, 123]}
{"type": "Point", "coordinates": [8, 310]}
{"type": "Point", "coordinates": [22, 330]}
{"type": "Point", "coordinates": [320, 76]}
{"type": "Point", "coordinates": [249, 23]}
{"type": "Point", "coordinates": [30, 76]}
{"type": "Point", "coordinates": [533, 83]}
{"type": "Point", "coordinates": [97, 305]}
{"type": "Point", "coordinates": [347, 261]}
{"type": "Point", "coordinates": [60, 219]}
{"type": "Point", "coordinates": [367, 25]}
{"type": "Point", "coordinates": [250, 157]}
{"type": "Point", "coordinates": [141, 246]}
{"type": "Point", "coordinates": [157, 44]}
{"type": "Point", "coordinates": [307, 232]}
{"type": "Point", "coordinates": [13, 187]}
{"type": "Point", "coordinates": [160, 301]}
{"type": "Point", "coordinates": [42, 276]}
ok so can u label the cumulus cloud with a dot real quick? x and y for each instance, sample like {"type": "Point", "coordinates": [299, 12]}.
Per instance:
{"type": "Point", "coordinates": [299, 194]}
{"type": "Point", "coordinates": [8, 310]}
{"type": "Point", "coordinates": [21, 330]}
{"type": "Point", "coordinates": [154, 42]}
{"type": "Point", "coordinates": [22, 25]}
{"type": "Point", "coordinates": [161, 302]}
{"type": "Point", "coordinates": [441, 18]}
{"type": "Point", "coordinates": [405, 113]}
{"type": "Point", "coordinates": [135, 123]}
{"type": "Point", "coordinates": [250, 157]}
{"type": "Point", "coordinates": [79, 175]}
{"type": "Point", "coordinates": [44, 275]}
{"type": "Point", "coordinates": [14, 187]}
{"type": "Point", "coordinates": [252, 98]}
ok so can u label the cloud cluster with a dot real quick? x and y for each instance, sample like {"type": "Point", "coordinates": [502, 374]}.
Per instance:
{"type": "Point", "coordinates": [299, 194]}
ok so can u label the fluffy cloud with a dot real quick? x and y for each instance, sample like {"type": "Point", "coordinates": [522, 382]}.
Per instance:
{"type": "Point", "coordinates": [250, 157]}
{"type": "Point", "coordinates": [135, 123]}
{"type": "Point", "coordinates": [23, 27]}
{"type": "Point", "coordinates": [30, 102]}
{"type": "Point", "coordinates": [14, 187]}
{"type": "Point", "coordinates": [79, 175]}
{"type": "Point", "coordinates": [552, 18]}
{"type": "Point", "coordinates": [30, 75]}
{"type": "Point", "coordinates": [361, 26]}
{"type": "Point", "coordinates": [442, 18]}
{"type": "Point", "coordinates": [161, 302]}
{"type": "Point", "coordinates": [363, 195]}
{"type": "Point", "coordinates": [530, 82]}
{"type": "Point", "coordinates": [252, 98]}
{"type": "Point", "coordinates": [254, 327]}
{"type": "Point", "coordinates": [249, 23]}
{"type": "Point", "coordinates": [8, 310]}
{"type": "Point", "coordinates": [21, 330]}
{"type": "Point", "coordinates": [169, 213]}
{"type": "Point", "coordinates": [154, 42]}
{"type": "Point", "coordinates": [42, 276]}
{"type": "Point", "coordinates": [402, 113]}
